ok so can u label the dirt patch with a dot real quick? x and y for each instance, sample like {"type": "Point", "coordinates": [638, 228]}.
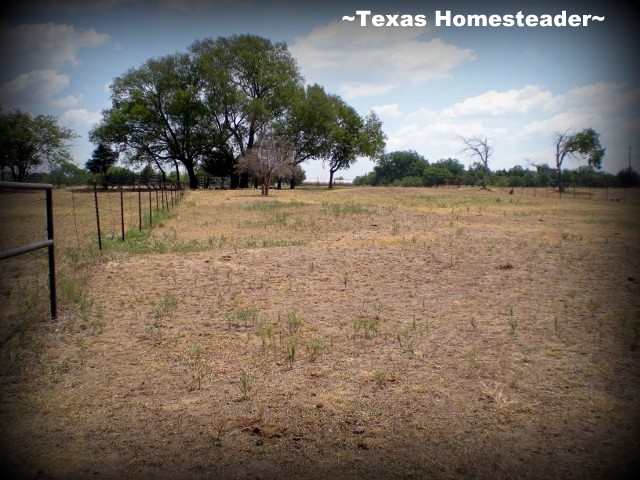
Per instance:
{"type": "Point", "coordinates": [399, 333]}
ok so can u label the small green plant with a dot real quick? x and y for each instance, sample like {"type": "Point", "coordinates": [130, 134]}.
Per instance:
{"type": "Point", "coordinates": [402, 334]}
{"type": "Point", "coordinates": [291, 349]}
{"type": "Point", "coordinates": [378, 308]}
{"type": "Point", "coordinates": [474, 323]}
{"type": "Point", "coordinates": [294, 321]}
{"type": "Point", "coordinates": [380, 376]}
{"type": "Point", "coordinates": [556, 324]}
{"type": "Point", "coordinates": [472, 357]}
{"type": "Point", "coordinates": [345, 280]}
{"type": "Point", "coordinates": [196, 364]}
{"type": "Point", "coordinates": [395, 227]}
{"type": "Point", "coordinates": [154, 331]}
{"type": "Point", "coordinates": [241, 317]}
{"type": "Point", "coordinates": [165, 307]}
{"type": "Point", "coordinates": [246, 383]}
{"type": "Point", "coordinates": [369, 327]}
{"type": "Point", "coordinates": [265, 332]}
{"type": "Point", "coordinates": [315, 348]}
{"type": "Point", "coordinates": [513, 321]}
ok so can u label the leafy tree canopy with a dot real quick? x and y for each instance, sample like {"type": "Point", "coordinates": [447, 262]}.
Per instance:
{"type": "Point", "coordinates": [28, 142]}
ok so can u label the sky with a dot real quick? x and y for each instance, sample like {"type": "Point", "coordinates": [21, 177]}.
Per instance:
{"type": "Point", "coordinates": [430, 84]}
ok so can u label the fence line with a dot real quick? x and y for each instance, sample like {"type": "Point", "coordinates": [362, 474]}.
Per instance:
{"type": "Point", "coordinates": [166, 197]}
{"type": "Point", "coordinates": [49, 244]}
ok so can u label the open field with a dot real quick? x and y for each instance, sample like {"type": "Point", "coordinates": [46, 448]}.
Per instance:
{"type": "Point", "coordinates": [352, 333]}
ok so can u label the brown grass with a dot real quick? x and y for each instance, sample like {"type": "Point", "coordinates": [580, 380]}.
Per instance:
{"type": "Point", "coordinates": [445, 333]}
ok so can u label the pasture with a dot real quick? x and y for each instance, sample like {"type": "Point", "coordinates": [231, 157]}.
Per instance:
{"type": "Point", "coordinates": [346, 333]}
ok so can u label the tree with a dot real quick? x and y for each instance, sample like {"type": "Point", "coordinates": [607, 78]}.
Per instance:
{"type": "Point", "coordinates": [101, 160]}
{"type": "Point", "coordinates": [353, 137]}
{"type": "Point", "coordinates": [158, 115]}
{"type": "Point", "coordinates": [584, 144]}
{"type": "Point", "coordinates": [28, 142]}
{"type": "Point", "coordinates": [310, 123]}
{"type": "Point", "coordinates": [271, 156]}
{"type": "Point", "coordinates": [479, 148]}
{"type": "Point", "coordinates": [398, 165]}
{"type": "Point", "coordinates": [250, 82]}
{"type": "Point", "coordinates": [628, 178]}
{"type": "Point", "coordinates": [67, 173]}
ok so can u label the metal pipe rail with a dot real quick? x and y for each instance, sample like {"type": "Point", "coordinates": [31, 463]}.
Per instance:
{"type": "Point", "coordinates": [49, 244]}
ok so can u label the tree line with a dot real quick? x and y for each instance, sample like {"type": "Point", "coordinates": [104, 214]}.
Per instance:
{"type": "Point", "coordinates": [410, 169]}
{"type": "Point", "coordinates": [236, 106]}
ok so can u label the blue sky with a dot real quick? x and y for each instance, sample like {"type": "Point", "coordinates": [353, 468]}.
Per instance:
{"type": "Point", "coordinates": [429, 85]}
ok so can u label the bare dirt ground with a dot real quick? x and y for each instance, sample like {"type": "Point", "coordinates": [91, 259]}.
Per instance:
{"type": "Point", "coordinates": [355, 333]}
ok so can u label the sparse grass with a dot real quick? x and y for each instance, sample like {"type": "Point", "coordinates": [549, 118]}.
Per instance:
{"type": "Point", "coordinates": [196, 364]}
{"type": "Point", "coordinates": [365, 327]}
{"type": "Point", "coordinates": [461, 392]}
{"type": "Point", "coordinates": [245, 317]}
{"type": "Point", "coordinates": [165, 307]}
{"type": "Point", "coordinates": [246, 384]}
{"type": "Point", "coordinates": [315, 348]}
{"type": "Point", "coordinates": [294, 322]}
{"type": "Point", "coordinates": [291, 349]}
{"type": "Point", "coordinates": [347, 208]}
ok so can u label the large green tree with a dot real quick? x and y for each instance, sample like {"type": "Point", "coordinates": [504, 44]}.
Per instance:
{"type": "Point", "coordinates": [28, 142]}
{"type": "Point", "coordinates": [158, 115]}
{"type": "Point", "coordinates": [101, 160]}
{"type": "Point", "coordinates": [582, 145]}
{"type": "Point", "coordinates": [353, 137]}
{"type": "Point", "coordinates": [398, 165]}
{"type": "Point", "coordinates": [250, 82]}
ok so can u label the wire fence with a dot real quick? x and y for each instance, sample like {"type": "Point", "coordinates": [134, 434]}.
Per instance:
{"type": "Point", "coordinates": [84, 217]}
{"type": "Point", "coordinates": [619, 194]}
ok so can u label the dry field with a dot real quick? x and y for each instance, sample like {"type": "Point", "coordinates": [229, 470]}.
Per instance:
{"type": "Point", "coordinates": [353, 333]}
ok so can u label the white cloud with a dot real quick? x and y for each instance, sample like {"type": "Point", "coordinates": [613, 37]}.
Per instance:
{"type": "Point", "coordinates": [45, 45]}
{"type": "Point", "coordinates": [521, 102]}
{"type": "Point", "coordinates": [391, 110]}
{"type": "Point", "coordinates": [79, 118]}
{"type": "Point", "coordinates": [391, 56]}
{"type": "Point", "coordinates": [350, 91]}
{"type": "Point", "coordinates": [39, 87]}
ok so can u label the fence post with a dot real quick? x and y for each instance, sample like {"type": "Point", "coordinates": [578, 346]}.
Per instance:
{"type": "Point", "coordinates": [150, 210]}
{"type": "Point", "coordinates": [95, 196]}
{"type": "Point", "coordinates": [122, 211]}
{"type": "Point", "coordinates": [140, 209]}
{"type": "Point", "coordinates": [52, 258]}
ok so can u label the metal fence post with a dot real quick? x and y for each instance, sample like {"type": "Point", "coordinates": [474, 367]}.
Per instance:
{"type": "Point", "coordinates": [122, 211]}
{"type": "Point", "coordinates": [95, 196]}
{"type": "Point", "coordinates": [52, 257]}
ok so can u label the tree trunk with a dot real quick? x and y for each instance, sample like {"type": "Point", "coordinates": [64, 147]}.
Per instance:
{"type": "Point", "coordinates": [234, 181]}
{"type": "Point", "coordinates": [193, 179]}
{"type": "Point", "coordinates": [177, 173]}
{"type": "Point", "coordinates": [293, 182]}
{"type": "Point", "coordinates": [244, 181]}
{"type": "Point", "coordinates": [560, 185]}
{"type": "Point", "coordinates": [331, 172]}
